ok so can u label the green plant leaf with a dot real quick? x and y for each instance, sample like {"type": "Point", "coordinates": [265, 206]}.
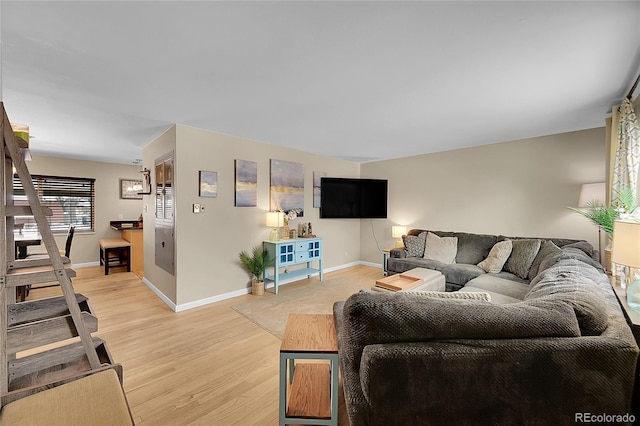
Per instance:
{"type": "Point", "coordinates": [255, 262]}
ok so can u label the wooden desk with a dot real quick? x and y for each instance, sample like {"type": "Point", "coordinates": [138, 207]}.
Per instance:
{"type": "Point", "coordinates": [23, 240]}
{"type": "Point", "coordinates": [135, 238]}
{"type": "Point", "coordinates": [131, 231]}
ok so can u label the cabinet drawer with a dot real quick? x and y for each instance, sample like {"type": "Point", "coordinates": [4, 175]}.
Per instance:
{"type": "Point", "coordinates": [302, 256]}
{"type": "Point", "coordinates": [301, 245]}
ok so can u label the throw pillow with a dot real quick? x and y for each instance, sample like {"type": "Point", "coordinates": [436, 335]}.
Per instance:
{"type": "Point", "coordinates": [548, 248]}
{"type": "Point", "coordinates": [522, 256]}
{"type": "Point", "coordinates": [466, 295]}
{"type": "Point", "coordinates": [582, 245]}
{"type": "Point", "coordinates": [442, 249]}
{"type": "Point", "coordinates": [497, 257]}
{"type": "Point", "coordinates": [414, 244]}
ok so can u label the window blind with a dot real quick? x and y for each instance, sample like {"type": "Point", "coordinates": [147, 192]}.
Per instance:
{"type": "Point", "coordinates": [71, 199]}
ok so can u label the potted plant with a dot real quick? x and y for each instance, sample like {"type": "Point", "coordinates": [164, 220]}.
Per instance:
{"type": "Point", "coordinates": [604, 216]}
{"type": "Point", "coordinates": [255, 263]}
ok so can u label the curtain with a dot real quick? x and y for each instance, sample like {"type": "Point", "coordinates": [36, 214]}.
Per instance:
{"type": "Point", "coordinates": [627, 153]}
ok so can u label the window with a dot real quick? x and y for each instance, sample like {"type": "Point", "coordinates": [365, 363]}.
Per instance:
{"type": "Point", "coordinates": [71, 200]}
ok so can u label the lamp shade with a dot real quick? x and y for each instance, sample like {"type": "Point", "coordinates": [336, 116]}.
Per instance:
{"type": "Point", "coordinates": [397, 231]}
{"type": "Point", "coordinates": [626, 243]}
{"type": "Point", "coordinates": [275, 219]}
{"type": "Point", "coordinates": [592, 193]}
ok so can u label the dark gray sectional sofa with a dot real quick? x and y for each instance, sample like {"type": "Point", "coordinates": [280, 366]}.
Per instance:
{"type": "Point", "coordinates": [543, 350]}
{"type": "Point", "coordinates": [472, 249]}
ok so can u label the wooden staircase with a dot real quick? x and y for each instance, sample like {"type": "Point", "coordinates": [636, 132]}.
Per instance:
{"type": "Point", "coordinates": [35, 353]}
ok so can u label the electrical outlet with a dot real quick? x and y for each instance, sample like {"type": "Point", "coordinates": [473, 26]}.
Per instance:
{"type": "Point", "coordinates": [120, 216]}
{"type": "Point", "coordinates": [196, 208]}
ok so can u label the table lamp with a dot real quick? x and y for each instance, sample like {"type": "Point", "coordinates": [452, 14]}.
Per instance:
{"type": "Point", "coordinates": [593, 194]}
{"type": "Point", "coordinates": [626, 251]}
{"type": "Point", "coordinates": [397, 231]}
{"type": "Point", "coordinates": [275, 220]}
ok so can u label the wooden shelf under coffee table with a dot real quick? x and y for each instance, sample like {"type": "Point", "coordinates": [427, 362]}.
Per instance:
{"type": "Point", "coordinates": [313, 394]}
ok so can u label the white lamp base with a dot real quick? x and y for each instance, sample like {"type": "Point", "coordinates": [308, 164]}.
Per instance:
{"type": "Point", "coordinates": [633, 295]}
{"type": "Point", "coordinates": [274, 235]}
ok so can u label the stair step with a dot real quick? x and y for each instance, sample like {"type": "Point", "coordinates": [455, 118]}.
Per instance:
{"type": "Point", "coordinates": [33, 275]}
{"type": "Point", "coordinates": [36, 310]}
{"type": "Point", "coordinates": [24, 211]}
{"type": "Point", "coordinates": [40, 333]}
{"type": "Point", "coordinates": [33, 261]}
{"type": "Point", "coordinates": [54, 365]}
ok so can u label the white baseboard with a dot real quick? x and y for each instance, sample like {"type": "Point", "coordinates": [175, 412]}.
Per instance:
{"type": "Point", "coordinates": [85, 265]}
{"type": "Point", "coordinates": [160, 294]}
{"type": "Point", "coordinates": [220, 297]}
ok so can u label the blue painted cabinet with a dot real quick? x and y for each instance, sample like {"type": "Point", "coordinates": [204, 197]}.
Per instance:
{"type": "Point", "coordinates": [293, 252]}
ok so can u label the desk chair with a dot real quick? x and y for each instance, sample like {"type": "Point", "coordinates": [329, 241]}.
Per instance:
{"type": "Point", "coordinates": [23, 291]}
{"type": "Point", "coordinates": [67, 246]}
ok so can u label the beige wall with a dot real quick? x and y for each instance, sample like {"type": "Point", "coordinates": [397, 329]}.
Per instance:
{"type": "Point", "coordinates": [164, 282]}
{"type": "Point", "coordinates": [518, 188]}
{"type": "Point", "coordinates": [207, 244]}
{"type": "Point", "coordinates": [108, 203]}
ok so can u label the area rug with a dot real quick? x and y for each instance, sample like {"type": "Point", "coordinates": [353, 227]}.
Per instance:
{"type": "Point", "coordinates": [311, 296]}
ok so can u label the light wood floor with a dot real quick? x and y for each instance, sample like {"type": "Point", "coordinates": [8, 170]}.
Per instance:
{"type": "Point", "coordinates": [205, 366]}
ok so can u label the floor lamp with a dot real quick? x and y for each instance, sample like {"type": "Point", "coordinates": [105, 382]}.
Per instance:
{"type": "Point", "coordinates": [593, 194]}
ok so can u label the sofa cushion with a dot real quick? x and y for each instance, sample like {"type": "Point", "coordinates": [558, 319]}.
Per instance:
{"type": "Point", "coordinates": [523, 253]}
{"type": "Point", "coordinates": [567, 253]}
{"type": "Point", "coordinates": [472, 248]}
{"type": "Point", "coordinates": [442, 249]}
{"type": "Point", "coordinates": [585, 246]}
{"type": "Point", "coordinates": [497, 257]}
{"type": "Point", "coordinates": [509, 276]}
{"type": "Point", "coordinates": [415, 244]}
{"type": "Point", "coordinates": [476, 295]}
{"type": "Point", "coordinates": [497, 298]}
{"type": "Point", "coordinates": [459, 273]}
{"type": "Point", "coordinates": [547, 248]}
{"type": "Point", "coordinates": [370, 317]}
{"type": "Point", "coordinates": [405, 264]}
{"type": "Point", "coordinates": [503, 286]}
{"type": "Point", "coordinates": [572, 281]}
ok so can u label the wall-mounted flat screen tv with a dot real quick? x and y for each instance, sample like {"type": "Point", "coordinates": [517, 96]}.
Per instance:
{"type": "Point", "coordinates": [351, 198]}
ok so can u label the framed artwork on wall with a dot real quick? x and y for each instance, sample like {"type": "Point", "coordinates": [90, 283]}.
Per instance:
{"type": "Point", "coordinates": [208, 184]}
{"type": "Point", "coordinates": [246, 183]}
{"type": "Point", "coordinates": [130, 188]}
{"type": "Point", "coordinates": [316, 187]}
{"type": "Point", "coordinates": [287, 186]}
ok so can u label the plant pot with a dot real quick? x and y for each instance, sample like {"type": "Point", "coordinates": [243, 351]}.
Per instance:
{"type": "Point", "coordinates": [608, 264]}
{"type": "Point", "coordinates": [257, 288]}
{"type": "Point", "coordinates": [285, 232]}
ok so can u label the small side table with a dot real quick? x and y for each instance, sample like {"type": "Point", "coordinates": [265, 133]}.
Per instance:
{"type": "Point", "coordinates": [309, 391]}
{"type": "Point", "coordinates": [385, 256]}
{"type": "Point", "coordinates": [633, 319]}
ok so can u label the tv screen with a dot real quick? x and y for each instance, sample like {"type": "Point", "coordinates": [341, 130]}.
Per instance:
{"type": "Point", "coordinates": [350, 198]}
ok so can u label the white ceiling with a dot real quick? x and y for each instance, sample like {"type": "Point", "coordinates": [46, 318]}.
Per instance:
{"type": "Point", "coordinates": [356, 80]}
